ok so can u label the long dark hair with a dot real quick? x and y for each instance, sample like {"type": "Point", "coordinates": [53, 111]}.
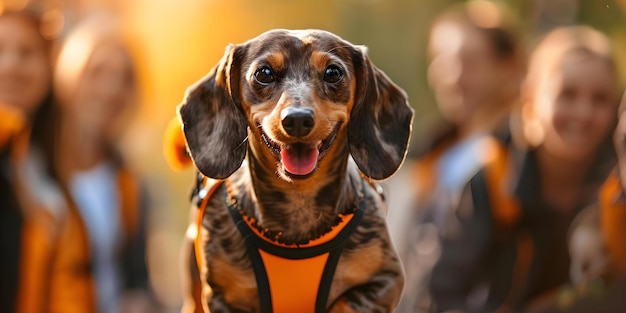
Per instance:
{"type": "Point", "coordinates": [44, 132]}
{"type": "Point", "coordinates": [44, 120]}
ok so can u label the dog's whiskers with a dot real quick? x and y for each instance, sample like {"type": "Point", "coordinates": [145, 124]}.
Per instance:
{"type": "Point", "coordinates": [243, 142]}
{"type": "Point", "coordinates": [319, 216]}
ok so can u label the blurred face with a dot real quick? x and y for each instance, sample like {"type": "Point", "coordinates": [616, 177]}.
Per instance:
{"type": "Point", "coordinates": [464, 73]}
{"type": "Point", "coordinates": [105, 90]}
{"type": "Point", "coordinates": [24, 67]}
{"type": "Point", "coordinates": [576, 113]}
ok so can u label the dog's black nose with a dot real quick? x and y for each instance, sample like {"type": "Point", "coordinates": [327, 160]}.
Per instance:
{"type": "Point", "coordinates": [297, 122]}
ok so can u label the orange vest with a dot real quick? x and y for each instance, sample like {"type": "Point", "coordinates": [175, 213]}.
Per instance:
{"type": "Point", "coordinates": [613, 222]}
{"type": "Point", "coordinates": [72, 287]}
{"type": "Point", "coordinates": [507, 214]}
{"type": "Point", "coordinates": [290, 278]}
{"type": "Point", "coordinates": [505, 209]}
{"type": "Point", "coordinates": [70, 284]}
{"type": "Point", "coordinates": [425, 171]}
{"type": "Point", "coordinates": [492, 192]}
{"type": "Point", "coordinates": [54, 262]}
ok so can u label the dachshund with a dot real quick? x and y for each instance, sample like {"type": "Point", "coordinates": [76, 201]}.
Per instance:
{"type": "Point", "coordinates": [288, 132]}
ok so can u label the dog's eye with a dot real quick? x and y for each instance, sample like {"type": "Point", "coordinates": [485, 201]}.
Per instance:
{"type": "Point", "coordinates": [333, 74]}
{"type": "Point", "coordinates": [264, 75]}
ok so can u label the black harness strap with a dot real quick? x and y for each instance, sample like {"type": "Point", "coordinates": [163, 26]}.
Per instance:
{"type": "Point", "coordinates": [254, 243]}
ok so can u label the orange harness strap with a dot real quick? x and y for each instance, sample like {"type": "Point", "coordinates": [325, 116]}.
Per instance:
{"type": "Point", "coordinates": [290, 278]}
{"type": "Point", "coordinates": [295, 278]}
{"type": "Point", "coordinates": [197, 244]}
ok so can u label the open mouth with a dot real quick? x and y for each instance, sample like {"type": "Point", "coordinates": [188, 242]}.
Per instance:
{"type": "Point", "coordinates": [300, 159]}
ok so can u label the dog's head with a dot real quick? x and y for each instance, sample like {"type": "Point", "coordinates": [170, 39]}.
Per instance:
{"type": "Point", "coordinates": [291, 96]}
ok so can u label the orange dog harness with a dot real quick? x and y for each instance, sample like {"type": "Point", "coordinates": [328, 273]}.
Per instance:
{"type": "Point", "coordinates": [290, 278]}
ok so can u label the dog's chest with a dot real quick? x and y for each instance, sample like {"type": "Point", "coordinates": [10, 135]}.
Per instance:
{"type": "Point", "coordinates": [230, 263]}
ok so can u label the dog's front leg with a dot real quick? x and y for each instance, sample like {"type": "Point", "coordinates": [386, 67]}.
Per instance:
{"type": "Point", "coordinates": [379, 295]}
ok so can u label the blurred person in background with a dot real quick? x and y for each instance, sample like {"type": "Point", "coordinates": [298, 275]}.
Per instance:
{"type": "Point", "coordinates": [510, 250]}
{"type": "Point", "coordinates": [476, 67]}
{"type": "Point", "coordinates": [597, 246]}
{"type": "Point", "coordinates": [97, 90]}
{"type": "Point", "coordinates": [32, 208]}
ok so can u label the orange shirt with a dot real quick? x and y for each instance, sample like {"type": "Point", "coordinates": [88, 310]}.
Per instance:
{"type": "Point", "coordinates": [613, 222]}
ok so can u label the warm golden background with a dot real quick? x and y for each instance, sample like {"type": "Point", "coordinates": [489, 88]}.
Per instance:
{"type": "Point", "coordinates": [177, 41]}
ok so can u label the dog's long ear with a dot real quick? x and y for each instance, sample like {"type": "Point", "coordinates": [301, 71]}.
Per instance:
{"type": "Point", "coordinates": [213, 120]}
{"type": "Point", "coordinates": [380, 122]}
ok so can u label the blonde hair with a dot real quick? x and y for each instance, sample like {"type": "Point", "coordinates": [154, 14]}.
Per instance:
{"type": "Point", "coordinates": [76, 50]}
{"type": "Point", "coordinates": [583, 40]}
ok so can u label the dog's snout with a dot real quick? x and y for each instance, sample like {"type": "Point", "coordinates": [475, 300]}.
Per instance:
{"type": "Point", "coordinates": [297, 122]}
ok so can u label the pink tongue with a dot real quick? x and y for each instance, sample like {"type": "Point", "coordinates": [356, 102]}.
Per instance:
{"type": "Point", "coordinates": [299, 159]}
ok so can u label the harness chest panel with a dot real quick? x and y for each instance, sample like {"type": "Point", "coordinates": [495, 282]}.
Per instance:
{"type": "Point", "coordinates": [294, 278]}
{"type": "Point", "coordinates": [292, 289]}
{"type": "Point", "coordinates": [291, 278]}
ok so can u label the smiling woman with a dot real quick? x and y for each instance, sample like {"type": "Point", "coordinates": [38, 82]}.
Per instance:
{"type": "Point", "coordinates": [31, 206]}
{"type": "Point", "coordinates": [97, 90]}
{"type": "Point", "coordinates": [564, 110]}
